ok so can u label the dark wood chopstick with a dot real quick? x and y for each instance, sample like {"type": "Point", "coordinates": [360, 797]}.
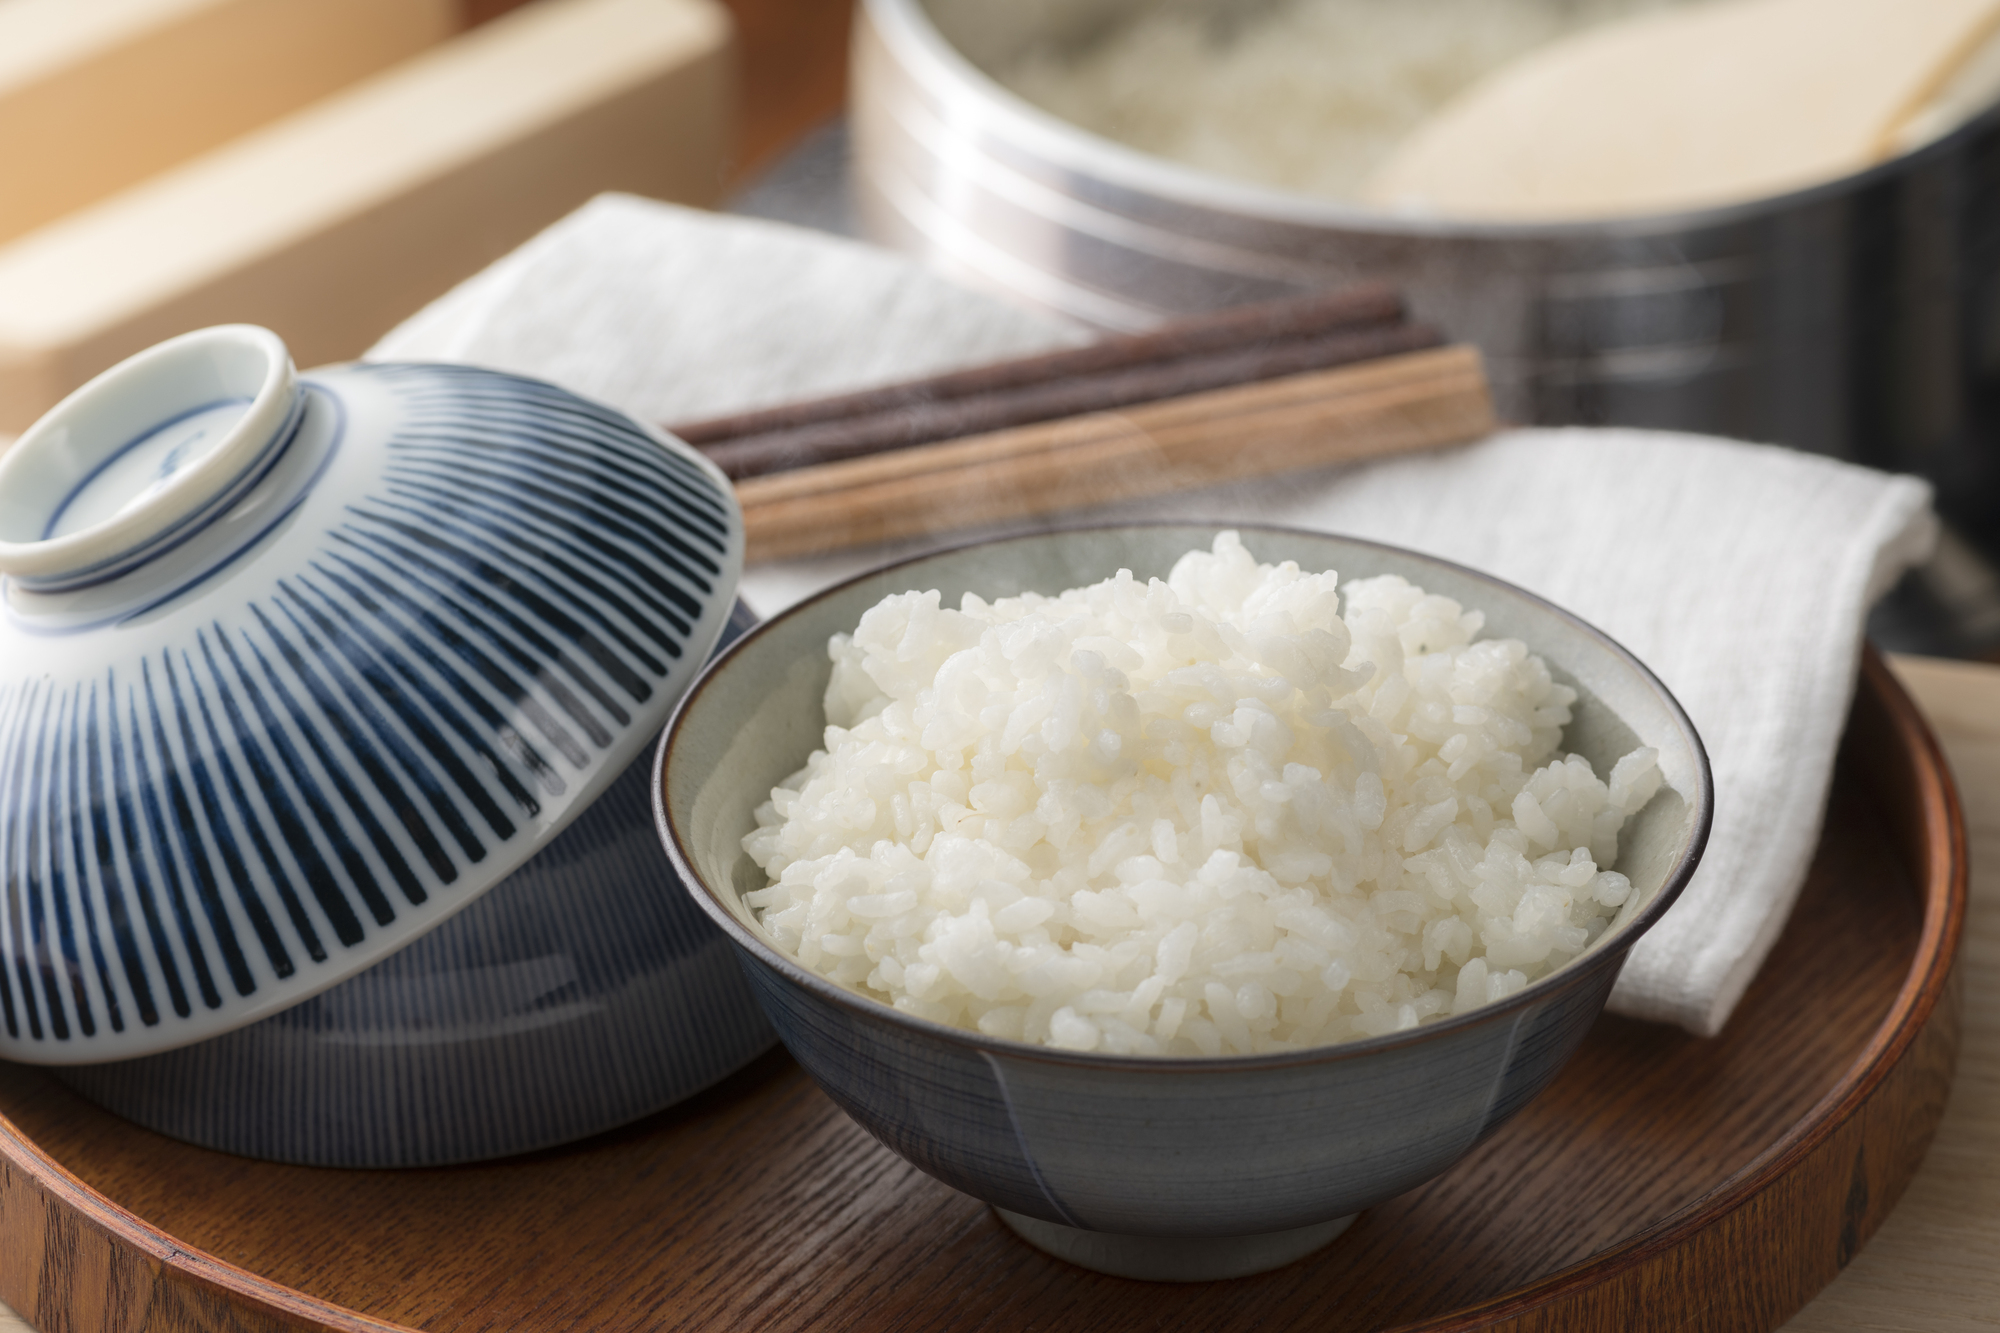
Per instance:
{"type": "Point", "coordinates": [1354, 308]}
{"type": "Point", "coordinates": [1333, 377]}
{"type": "Point", "coordinates": [1114, 387]}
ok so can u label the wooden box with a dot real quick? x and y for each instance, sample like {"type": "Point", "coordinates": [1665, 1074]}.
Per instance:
{"type": "Point", "coordinates": [100, 95]}
{"type": "Point", "coordinates": [334, 221]}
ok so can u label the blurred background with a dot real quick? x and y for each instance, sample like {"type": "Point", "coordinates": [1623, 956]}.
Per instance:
{"type": "Point", "coordinates": [327, 167]}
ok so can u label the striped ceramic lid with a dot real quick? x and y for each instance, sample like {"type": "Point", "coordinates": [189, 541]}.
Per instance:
{"type": "Point", "coordinates": [294, 667]}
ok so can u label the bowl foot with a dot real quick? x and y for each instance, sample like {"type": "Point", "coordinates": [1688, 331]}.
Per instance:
{"type": "Point", "coordinates": [1174, 1258]}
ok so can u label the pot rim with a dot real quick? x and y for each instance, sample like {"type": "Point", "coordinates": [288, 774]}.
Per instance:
{"type": "Point", "coordinates": [906, 28]}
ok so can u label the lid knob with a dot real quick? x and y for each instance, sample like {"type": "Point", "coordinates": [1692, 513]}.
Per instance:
{"type": "Point", "coordinates": [142, 456]}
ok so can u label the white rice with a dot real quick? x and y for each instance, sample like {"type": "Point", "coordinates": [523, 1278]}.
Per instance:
{"type": "Point", "coordinates": [1213, 814]}
{"type": "Point", "coordinates": [1304, 95]}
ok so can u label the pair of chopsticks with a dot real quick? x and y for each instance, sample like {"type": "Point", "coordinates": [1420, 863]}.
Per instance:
{"type": "Point", "coordinates": [1328, 379]}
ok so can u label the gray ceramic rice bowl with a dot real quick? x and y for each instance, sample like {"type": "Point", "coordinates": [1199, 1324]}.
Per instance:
{"type": "Point", "coordinates": [1163, 1168]}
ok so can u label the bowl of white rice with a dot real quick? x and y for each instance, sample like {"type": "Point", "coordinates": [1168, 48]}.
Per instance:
{"type": "Point", "coordinates": [1181, 891]}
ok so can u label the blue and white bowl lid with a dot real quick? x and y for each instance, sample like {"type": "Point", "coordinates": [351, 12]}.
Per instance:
{"type": "Point", "coordinates": [292, 668]}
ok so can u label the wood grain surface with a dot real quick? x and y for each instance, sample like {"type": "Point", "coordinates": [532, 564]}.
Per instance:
{"type": "Point", "coordinates": [1663, 1181]}
{"type": "Point", "coordinates": [1370, 409]}
{"type": "Point", "coordinates": [1935, 1265]}
{"type": "Point", "coordinates": [334, 223]}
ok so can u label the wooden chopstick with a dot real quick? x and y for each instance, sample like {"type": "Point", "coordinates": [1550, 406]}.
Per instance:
{"type": "Point", "coordinates": [972, 414]}
{"type": "Point", "coordinates": [1358, 306]}
{"type": "Point", "coordinates": [1417, 400]}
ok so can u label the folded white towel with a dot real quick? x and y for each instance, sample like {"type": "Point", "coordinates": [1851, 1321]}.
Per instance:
{"type": "Point", "coordinates": [1740, 573]}
{"type": "Point", "coordinates": [678, 315]}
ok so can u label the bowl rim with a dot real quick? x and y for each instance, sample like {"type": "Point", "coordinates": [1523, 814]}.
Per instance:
{"type": "Point", "coordinates": [1565, 977]}
{"type": "Point", "coordinates": [908, 29]}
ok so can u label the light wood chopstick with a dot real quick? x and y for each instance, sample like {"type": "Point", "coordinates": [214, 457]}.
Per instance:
{"type": "Point", "coordinates": [1419, 400]}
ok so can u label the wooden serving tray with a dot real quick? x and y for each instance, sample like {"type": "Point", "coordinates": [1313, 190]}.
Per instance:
{"type": "Point", "coordinates": [1662, 1182]}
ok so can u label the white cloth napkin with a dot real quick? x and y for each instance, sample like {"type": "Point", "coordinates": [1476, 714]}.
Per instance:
{"type": "Point", "coordinates": [678, 315]}
{"type": "Point", "coordinates": [1740, 573]}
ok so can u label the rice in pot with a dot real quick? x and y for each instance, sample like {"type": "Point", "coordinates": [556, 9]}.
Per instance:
{"type": "Point", "coordinates": [1215, 814]}
{"type": "Point", "coordinates": [1304, 95]}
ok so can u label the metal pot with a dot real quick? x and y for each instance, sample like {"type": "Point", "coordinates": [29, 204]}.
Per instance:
{"type": "Point", "coordinates": [1859, 319]}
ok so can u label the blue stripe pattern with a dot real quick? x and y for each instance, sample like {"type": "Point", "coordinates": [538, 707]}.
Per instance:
{"type": "Point", "coordinates": [584, 991]}
{"type": "Point", "coordinates": [463, 649]}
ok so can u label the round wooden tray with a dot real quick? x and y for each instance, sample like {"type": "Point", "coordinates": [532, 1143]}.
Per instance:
{"type": "Point", "coordinates": [1662, 1182]}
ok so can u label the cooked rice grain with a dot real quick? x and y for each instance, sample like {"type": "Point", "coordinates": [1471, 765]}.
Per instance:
{"type": "Point", "coordinates": [1304, 95]}
{"type": "Point", "coordinates": [1214, 814]}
